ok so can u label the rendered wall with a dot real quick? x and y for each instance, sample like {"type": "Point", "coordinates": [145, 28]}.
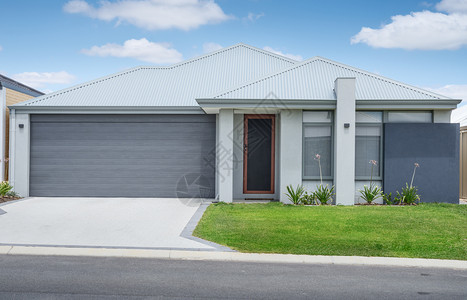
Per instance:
{"type": "Point", "coordinates": [290, 171]}
{"type": "Point", "coordinates": [12, 97]}
{"type": "Point", "coordinates": [435, 147]}
{"type": "Point", "coordinates": [19, 152]}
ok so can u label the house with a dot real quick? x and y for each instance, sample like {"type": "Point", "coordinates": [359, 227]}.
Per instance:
{"type": "Point", "coordinates": [459, 115]}
{"type": "Point", "coordinates": [11, 92]}
{"type": "Point", "coordinates": [238, 123]}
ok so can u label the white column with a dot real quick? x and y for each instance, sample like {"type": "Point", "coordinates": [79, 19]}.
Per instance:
{"type": "Point", "coordinates": [224, 157]}
{"type": "Point", "coordinates": [2, 131]}
{"type": "Point", "coordinates": [290, 168]}
{"type": "Point", "coordinates": [19, 148]}
{"type": "Point", "coordinates": [344, 141]}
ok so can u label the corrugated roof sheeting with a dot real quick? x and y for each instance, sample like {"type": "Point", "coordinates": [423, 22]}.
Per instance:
{"type": "Point", "coordinates": [177, 85]}
{"type": "Point", "coordinates": [314, 79]}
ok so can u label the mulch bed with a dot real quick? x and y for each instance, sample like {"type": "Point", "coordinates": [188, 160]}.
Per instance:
{"type": "Point", "coordinates": [8, 198]}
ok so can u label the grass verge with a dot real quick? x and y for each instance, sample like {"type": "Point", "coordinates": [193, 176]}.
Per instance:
{"type": "Point", "coordinates": [425, 231]}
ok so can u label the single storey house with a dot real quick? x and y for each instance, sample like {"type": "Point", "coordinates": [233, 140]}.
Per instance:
{"type": "Point", "coordinates": [238, 123]}
{"type": "Point", "coordinates": [11, 92]}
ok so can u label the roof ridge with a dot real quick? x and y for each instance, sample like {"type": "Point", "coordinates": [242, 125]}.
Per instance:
{"type": "Point", "coordinates": [383, 78]}
{"type": "Point", "coordinates": [79, 86]}
{"type": "Point", "coordinates": [171, 67]}
{"type": "Point", "coordinates": [207, 55]}
{"type": "Point", "coordinates": [254, 81]}
{"type": "Point", "coordinates": [337, 64]}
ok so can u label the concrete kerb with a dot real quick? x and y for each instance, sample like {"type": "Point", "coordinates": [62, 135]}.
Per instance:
{"type": "Point", "coordinates": [236, 257]}
{"type": "Point", "coordinates": [190, 227]}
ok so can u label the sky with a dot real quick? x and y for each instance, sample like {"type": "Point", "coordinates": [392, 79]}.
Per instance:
{"type": "Point", "coordinates": [55, 44]}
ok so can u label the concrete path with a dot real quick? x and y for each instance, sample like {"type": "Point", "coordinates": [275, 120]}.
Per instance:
{"type": "Point", "coordinates": [100, 222]}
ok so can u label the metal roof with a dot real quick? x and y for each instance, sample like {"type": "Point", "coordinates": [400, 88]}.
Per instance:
{"type": "Point", "coordinates": [174, 86]}
{"type": "Point", "coordinates": [18, 86]}
{"type": "Point", "coordinates": [314, 79]}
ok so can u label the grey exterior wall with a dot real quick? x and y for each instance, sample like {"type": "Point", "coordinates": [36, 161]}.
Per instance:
{"type": "Point", "coordinates": [435, 146]}
{"type": "Point", "coordinates": [122, 155]}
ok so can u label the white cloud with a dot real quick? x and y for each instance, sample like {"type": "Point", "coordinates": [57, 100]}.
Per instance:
{"type": "Point", "coordinates": [291, 56]}
{"type": "Point", "coordinates": [423, 30]}
{"type": "Point", "coordinates": [452, 6]}
{"type": "Point", "coordinates": [153, 14]}
{"type": "Point", "coordinates": [144, 50]}
{"type": "Point", "coordinates": [455, 91]}
{"type": "Point", "coordinates": [252, 17]}
{"type": "Point", "coordinates": [39, 80]}
{"type": "Point", "coordinates": [211, 47]}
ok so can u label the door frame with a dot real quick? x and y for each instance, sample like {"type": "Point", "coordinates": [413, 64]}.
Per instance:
{"type": "Point", "coordinates": [247, 117]}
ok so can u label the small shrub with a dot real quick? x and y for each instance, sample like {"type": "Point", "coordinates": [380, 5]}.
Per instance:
{"type": "Point", "coordinates": [410, 195]}
{"type": "Point", "coordinates": [387, 198]}
{"type": "Point", "coordinates": [324, 194]}
{"type": "Point", "coordinates": [371, 193]}
{"type": "Point", "coordinates": [308, 199]}
{"type": "Point", "coordinates": [13, 194]}
{"type": "Point", "coordinates": [5, 187]}
{"type": "Point", "coordinates": [295, 195]}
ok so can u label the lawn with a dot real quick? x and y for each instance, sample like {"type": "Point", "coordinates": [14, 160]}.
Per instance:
{"type": "Point", "coordinates": [426, 230]}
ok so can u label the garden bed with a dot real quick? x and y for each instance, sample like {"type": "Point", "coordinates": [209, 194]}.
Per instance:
{"type": "Point", "coordinates": [8, 198]}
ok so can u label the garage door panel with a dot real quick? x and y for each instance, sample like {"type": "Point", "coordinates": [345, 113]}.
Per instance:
{"type": "Point", "coordinates": [105, 170]}
{"type": "Point", "coordinates": [45, 162]}
{"type": "Point", "coordinates": [127, 159]}
{"type": "Point", "coordinates": [114, 155]}
{"type": "Point", "coordinates": [151, 129]}
{"type": "Point", "coordinates": [148, 181]}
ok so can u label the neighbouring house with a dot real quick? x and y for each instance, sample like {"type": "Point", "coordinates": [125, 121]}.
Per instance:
{"type": "Point", "coordinates": [11, 92]}
{"type": "Point", "coordinates": [238, 123]}
{"type": "Point", "coordinates": [459, 115]}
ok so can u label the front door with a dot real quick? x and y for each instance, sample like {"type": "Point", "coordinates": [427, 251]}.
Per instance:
{"type": "Point", "coordinates": [258, 154]}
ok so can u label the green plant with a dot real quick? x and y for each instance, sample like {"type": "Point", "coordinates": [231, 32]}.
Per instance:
{"type": "Point", "coordinates": [308, 199]}
{"type": "Point", "coordinates": [12, 194]}
{"type": "Point", "coordinates": [371, 193]}
{"type": "Point", "coordinates": [295, 195]}
{"type": "Point", "coordinates": [5, 187]}
{"type": "Point", "coordinates": [324, 194]}
{"type": "Point", "coordinates": [410, 195]}
{"type": "Point", "coordinates": [387, 198]}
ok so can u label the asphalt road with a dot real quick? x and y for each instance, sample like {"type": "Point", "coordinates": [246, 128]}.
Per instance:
{"type": "Point", "coordinates": [47, 277]}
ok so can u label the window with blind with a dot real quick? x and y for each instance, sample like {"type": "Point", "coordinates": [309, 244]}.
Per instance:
{"type": "Point", "coordinates": [317, 139]}
{"type": "Point", "coordinates": [368, 144]}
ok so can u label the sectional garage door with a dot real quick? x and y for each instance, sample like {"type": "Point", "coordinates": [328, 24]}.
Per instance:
{"type": "Point", "coordinates": [122, 155]}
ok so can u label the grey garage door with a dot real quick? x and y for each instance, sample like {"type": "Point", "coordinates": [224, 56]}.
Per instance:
{"type": "Point", "coordinates": [122, 155]}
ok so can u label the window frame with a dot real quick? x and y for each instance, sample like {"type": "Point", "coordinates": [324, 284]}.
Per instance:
{"type": "Point", "coordinates": [386, 116]}
{"type": "Point", "coordinates": [318, 124]}
{"type": "Point", "coordinates": [380, 164]}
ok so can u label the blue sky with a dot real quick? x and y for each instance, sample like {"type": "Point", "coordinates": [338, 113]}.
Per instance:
{"type": "Point", "coordinates": [54, 44]}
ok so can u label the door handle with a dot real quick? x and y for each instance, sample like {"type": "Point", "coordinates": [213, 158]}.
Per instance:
{"type": "Point", "coordinates": [245, 147]}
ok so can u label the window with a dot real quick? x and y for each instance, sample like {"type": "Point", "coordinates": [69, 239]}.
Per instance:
{"type": "Point", "coordinates": [317, 139]}
{"type": "Point", "coordinates": [410, 117]}
{"type": "Point", "coordinates": [368, 144]}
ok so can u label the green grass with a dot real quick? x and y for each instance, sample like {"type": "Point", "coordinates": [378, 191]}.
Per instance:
{"type": "Point", "coordinates": [425, 231]}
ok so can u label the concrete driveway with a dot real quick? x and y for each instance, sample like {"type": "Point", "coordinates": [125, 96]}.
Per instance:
{"type": "Point", "coordinates": [101, 222]}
